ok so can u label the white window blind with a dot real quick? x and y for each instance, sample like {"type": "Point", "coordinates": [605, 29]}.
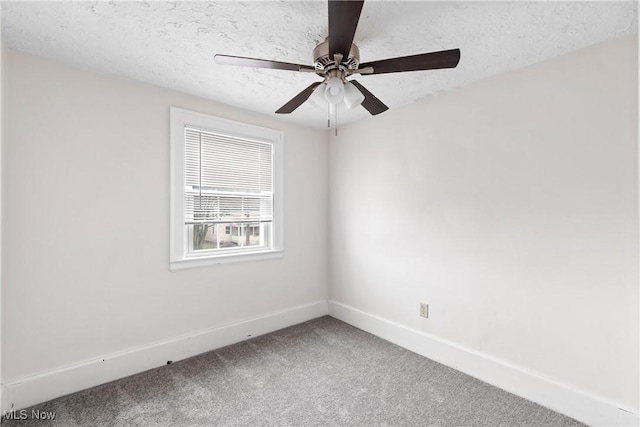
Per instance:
{"type": "Point", "coordinates": [227, 179]}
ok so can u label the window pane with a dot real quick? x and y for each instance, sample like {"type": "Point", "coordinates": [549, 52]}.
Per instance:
{"type": "Point", "coordinates": [224, 236]}
{"type": "Point", "coordinates": [227, 179]}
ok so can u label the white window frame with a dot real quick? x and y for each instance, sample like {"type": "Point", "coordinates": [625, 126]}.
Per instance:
{"type": "Point", "coordinates": [179, 257]}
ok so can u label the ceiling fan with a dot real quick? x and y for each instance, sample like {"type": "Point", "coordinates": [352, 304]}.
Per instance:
{"type": "Point", "coordinates": [337, 58]}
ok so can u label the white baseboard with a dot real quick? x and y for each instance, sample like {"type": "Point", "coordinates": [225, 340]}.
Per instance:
{"type": "Point", "coordinates": [564, 398]}
{"type": "Point", "coordinates": [43, 386]}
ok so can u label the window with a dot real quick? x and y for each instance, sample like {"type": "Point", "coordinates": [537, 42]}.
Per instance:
{"type": "Point", "coordinates": [226, 190]}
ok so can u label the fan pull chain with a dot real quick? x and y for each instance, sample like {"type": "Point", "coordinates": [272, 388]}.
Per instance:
{"type": "Point", "coordinates": [335, 118]}
{"type": "Point", "coordinates": [328, 116]}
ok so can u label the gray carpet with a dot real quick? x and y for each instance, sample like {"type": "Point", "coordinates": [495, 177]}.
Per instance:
{"type": "Point", "coordinates": [319, 373]}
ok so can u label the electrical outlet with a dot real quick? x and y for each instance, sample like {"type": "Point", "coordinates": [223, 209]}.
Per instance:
{"type": "Point", "coordinates": [424, 309]}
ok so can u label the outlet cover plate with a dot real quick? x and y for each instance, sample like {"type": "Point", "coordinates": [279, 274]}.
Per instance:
{"type": "Point", "coordinates": [424, 309]}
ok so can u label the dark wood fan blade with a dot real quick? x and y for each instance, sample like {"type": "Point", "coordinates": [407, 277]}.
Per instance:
{"type": "Point", "coordinates": [343, 20]}
{"type": "Point", "coordinates": [370, 103]}
{"type": "Point", "coordinates": [258, 63]}
{"type": "Point", "coordinates": [297, 100]}
{"type": "Point", "coordinates": [424, 61]}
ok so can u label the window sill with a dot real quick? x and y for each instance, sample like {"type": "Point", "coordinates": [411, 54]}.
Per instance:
{"type": "Point", "coordinates": [223, 259]}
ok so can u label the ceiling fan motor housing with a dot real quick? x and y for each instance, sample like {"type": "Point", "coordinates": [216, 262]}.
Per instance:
{"type": "Point", "coordinates": [323, 63]}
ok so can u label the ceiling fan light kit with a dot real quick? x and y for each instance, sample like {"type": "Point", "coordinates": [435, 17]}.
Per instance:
{"type": "Point", "coordinates": [337, 58]}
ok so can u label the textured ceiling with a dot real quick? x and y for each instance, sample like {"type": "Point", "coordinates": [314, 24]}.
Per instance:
{"type": "Point", "coordinates": [171, 44]}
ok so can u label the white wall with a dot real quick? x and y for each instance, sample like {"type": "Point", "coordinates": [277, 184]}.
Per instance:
{"type": "Point", "coordinates": [86, 256]}
{"type": "Point", "coordinates": [511, 207]}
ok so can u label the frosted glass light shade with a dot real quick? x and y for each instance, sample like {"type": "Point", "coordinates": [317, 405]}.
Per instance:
{"type": "Point", "coordinates": [317, 98]}
{"type": "Point", "coordinates": [334, 91]}
{"type": "Point", "coordinates": [352, 96]}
